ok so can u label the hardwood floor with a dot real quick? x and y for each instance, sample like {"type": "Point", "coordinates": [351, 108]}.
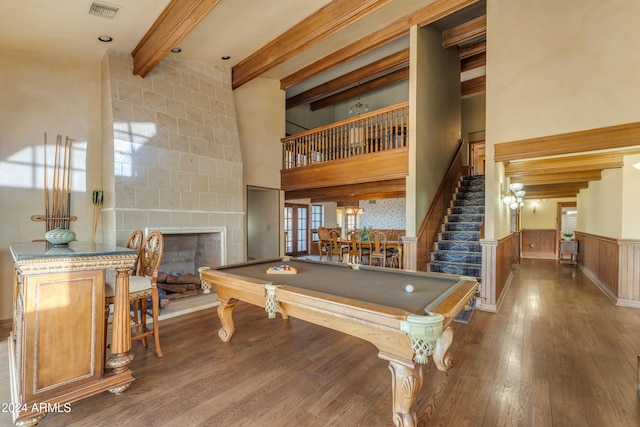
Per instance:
{"type": "Point", "coordinates": [558, 354]}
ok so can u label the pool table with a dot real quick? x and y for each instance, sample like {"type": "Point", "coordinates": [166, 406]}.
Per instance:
{"type": "Point", "coordinates": [371, 303]}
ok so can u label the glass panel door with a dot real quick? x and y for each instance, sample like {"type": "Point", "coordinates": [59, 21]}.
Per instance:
{"type": "Point", "coordinates": [296, 227]}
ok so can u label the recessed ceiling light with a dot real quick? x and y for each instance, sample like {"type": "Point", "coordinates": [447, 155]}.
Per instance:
{"type": "Point", "coordinates": [224, 58]}
{"type": "Point", "coordinates": [176, 50]}
{"type": "Point", "coordinates": [105, 39]}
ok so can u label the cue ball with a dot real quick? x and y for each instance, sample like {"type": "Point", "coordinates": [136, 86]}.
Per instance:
{"type": "Point", "coordinates": [408, 288]}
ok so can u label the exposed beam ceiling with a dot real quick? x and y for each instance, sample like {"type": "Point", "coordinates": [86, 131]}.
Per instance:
{"type": "Point", "coordinates": [563, 176]}
{"type": "Point", "coordinates": [382, 66]}
{"type": "Point", "coordinates": [460, 35]}
{"type": "Point", "coordinates": [175, 22]}
{"type": "Point", "coordinates": [317, 27]}
{"type": "Point", "coordinates": [464, 33]}
{"type": "Point", "coordinates": [606, 138]}
{"type": "Point", "coordinates": [397, 29]}
{"type": "Point", "coordinates": [380, 82]}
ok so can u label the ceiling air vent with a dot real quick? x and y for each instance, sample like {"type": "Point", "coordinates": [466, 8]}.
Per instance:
{"type": "Point", "coordinates": [104, 10]}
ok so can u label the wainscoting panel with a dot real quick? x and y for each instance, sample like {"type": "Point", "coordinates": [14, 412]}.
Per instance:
{"type": "Point", "coordinates": [629, 273]}
{"type": "Point", "coordinates": [539, 243]}
{"type": "Point", "coordinates": [498, 260]}
{"type": "Point", "coordinates": [598, 259]}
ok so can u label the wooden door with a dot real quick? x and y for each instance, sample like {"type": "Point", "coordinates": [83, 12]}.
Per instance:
{"type": "Point", "coordinates": [477, 157]}
{"type": "Point", "coordinates": [296, 229]}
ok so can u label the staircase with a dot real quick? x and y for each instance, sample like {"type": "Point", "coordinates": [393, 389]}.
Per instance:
{"type": "Point", "coordinates": [458, 249]}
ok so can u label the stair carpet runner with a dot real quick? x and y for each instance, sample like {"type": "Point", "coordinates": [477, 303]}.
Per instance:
{"type": "Point", "coordinates": [458, 250]}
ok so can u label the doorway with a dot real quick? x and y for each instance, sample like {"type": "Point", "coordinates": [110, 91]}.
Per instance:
{"type": "Point", "coordinates": [296, 229]}
{"type": "Point", "coordinates": [477, 157]}
{"type": "Point", "coordinates": [567, 216]}
{"type": "Point", "coordinates": [263, 223]}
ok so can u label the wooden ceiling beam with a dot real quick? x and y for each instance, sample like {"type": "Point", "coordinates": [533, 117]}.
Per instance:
{"type": "Point", "coordinates": [598, 161]}
{"type": "Point", "coordinates": [473, 86]}
{"type": "Point", "coordinates": [395, 30]}
{"type": "Point", "coordinates": [558, 178]}
{"type": "Point", "coordinates": [472, 49]}
{"type": "Point", "coordinates": [554, 191]}
{"type": "Point", "coordinates": [386, 80]}
{"type": "Point", "coordinates": [325, 22]}
{"type": "Point", "coordinates": [392, 62]}
{"type": "Point", "coordinates": [363, 191]}
{"type": "Point", "coordinates": [464, 33]}
{"type": "Point", "coordinates": [175, 22]}
{"type": "Point", "coordinates": [472, 62]}
{"type": "Point", "coordinates": [605, 138]}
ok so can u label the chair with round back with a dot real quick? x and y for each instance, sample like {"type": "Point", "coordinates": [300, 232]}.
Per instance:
{"type": "Point", "coordinates": [134, 242]}
{"type": "Point", "coordinates": [141, 287]}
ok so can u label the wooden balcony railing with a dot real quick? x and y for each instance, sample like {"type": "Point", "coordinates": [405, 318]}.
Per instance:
{"type": "Point", "coordinates": [383, 129]}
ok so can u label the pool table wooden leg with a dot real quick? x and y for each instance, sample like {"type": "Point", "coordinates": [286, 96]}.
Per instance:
{"type": "Point", "coordinates": [440, 351]}
{"type": "Point", "coordinates": [225, 313]}
{"type": "Point", "coordinates": [406, 382]}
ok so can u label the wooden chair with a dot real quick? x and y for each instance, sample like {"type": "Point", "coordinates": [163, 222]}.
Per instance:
{"type": "Point", "coordinates": [134, 242]}
{"type": "Point", "coordinates": [393, 254]}
{"type": "Point", "coordinates": [354, 247]}
{"type": "Point", "coordinates": [337, 246]}
{"type": "Point", "coordinates": [378, 241]}
{"type": "Point", "coordinates": [324, 241]}
{"type": "Point", "coordinates": [141, 287]}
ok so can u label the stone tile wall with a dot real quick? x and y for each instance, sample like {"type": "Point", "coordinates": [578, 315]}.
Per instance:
{"type": "Point", "coordinates": [171, 150]}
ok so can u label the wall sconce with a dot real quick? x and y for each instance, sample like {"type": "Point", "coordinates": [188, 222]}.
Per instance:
{"type": "Point", "coordinates": [513, 197]}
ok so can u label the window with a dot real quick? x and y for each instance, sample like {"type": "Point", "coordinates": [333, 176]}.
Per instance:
{"type": "Point", "coordinates": [317, 220]}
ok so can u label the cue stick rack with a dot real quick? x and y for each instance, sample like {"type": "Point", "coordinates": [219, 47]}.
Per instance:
{"type": "Point", "coordinates": [57, 200]}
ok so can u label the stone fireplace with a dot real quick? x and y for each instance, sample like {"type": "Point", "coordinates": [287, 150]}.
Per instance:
{"type": "Point", "coordinates": [172, 160]}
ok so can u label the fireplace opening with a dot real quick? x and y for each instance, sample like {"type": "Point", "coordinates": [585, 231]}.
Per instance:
{"type": "Point", "coordinates": [186, 250]}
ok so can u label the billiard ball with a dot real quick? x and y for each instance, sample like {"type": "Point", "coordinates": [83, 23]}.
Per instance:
{"type": "Point", "coordinates": [409, 288]}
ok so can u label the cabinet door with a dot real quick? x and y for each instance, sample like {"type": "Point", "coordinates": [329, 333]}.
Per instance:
{"type": "Point", "coordinates": [63, 331]}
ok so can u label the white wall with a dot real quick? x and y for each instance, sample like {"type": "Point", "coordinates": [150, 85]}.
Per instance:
{"type": "Point", "coordinates": [435, 115]}
{"type": "Point", "coordinates": [599, 206]}
{"type": "Point", "coordinates": [549, 71]}
{"type": "Point", "coordinates": [41, 95]}
{"type": "Point", "coordinates": [631, 198]}
{"type": "Point", "coordinates": [544, 217]}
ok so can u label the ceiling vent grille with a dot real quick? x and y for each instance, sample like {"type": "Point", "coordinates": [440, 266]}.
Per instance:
{"type": "Point", "coordinates": [103, 10]}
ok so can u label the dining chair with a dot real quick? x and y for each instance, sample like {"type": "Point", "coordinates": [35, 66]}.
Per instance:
{"type": "Point", "coordinates": [354, 248]}
{"type": "Point", "coordinates": [324, 241]}
{"type": "Point", "coordinates": [337, 246]}
{"type": "Point", "coordinates": [378, 241]}
{"type": "Point", "coordinates": [142, 286]}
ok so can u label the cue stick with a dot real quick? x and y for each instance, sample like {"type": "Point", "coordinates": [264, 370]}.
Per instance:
{"type": "Point", "coordinates": [54, 189]}
{"type": "Point", "coordinates": [46, 186]}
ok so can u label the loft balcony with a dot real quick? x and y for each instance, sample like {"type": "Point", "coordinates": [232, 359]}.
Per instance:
{"type": "Point", "coordinates": [358, 158]}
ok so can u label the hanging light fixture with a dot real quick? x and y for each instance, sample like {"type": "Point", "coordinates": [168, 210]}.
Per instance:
{"type": "Point", "coordinates": [514, 197]}
{"type": "Point", "coordinates": [358, 108]}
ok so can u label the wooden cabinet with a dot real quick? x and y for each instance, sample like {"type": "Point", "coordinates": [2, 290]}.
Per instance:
{"type": "Point", "coordinates": [57, 346]}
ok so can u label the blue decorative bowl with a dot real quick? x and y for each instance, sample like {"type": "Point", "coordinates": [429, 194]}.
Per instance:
{"type": "Point", "coordinates": [59, 236]}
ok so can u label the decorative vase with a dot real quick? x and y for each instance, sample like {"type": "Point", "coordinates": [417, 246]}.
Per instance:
{"type": "Point", "coordinates": [59, 236]}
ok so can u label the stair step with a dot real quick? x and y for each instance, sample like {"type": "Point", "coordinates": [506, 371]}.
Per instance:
{"type": "Point", "coordinates": [455, 268]}
{"type": "Point", "coordinates": [463, 226]}
{"type": "Point", "coordinates": [452, 245]}
{"type": "Point", "coordinates": [468, 202]}
{"type": "Point", "coordinates": [464, 218]}
{"type": "Point", "coordinates": [458, 210]}
{"type": "Point", "coordinates": [458, 257]}
{"type": "Point", "coordinates": [466, 236]}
